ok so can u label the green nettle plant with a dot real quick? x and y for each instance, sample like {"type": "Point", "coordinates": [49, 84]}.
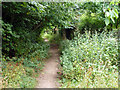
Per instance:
{"type": "Point", "coordinates": [90, 61]}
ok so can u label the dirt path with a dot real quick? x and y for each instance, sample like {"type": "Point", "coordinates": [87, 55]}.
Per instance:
{"type": "Point", "coordinates": [48, 77]}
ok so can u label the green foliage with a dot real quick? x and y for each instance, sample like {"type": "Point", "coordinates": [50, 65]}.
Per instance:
{"type": "Point", "coordinates": [24, 24]}
{"type": "Point", "coordinates": [53, 38]}
{"type": "Point", "coordinates": [56, 38]}
{"type": "Point", "coordinates": [23, 50]}
{"type": "Point", "coordinates": [26, 20]}
{"type": "Point", "coordinates": [89, 61]}
{"type": "Point", "coordinates": [20, 72]}
{"type": "Point", "coordinates": [111, 12]}
{"type": "Point", "coordinates": [8, 36]}
{"type": "Point", "coordinates": [14, 76]}
{"type": "Point", "coordinates": [96, 15]}
{"type": "Point", "coordinates": [90, 22]}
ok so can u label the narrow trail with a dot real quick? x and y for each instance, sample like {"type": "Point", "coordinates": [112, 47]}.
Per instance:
{"type": "Point", "coordinates": [48, 77]}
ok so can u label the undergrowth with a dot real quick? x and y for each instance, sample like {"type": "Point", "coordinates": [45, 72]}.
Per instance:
{"type": "Point", "coordinates": [21, 72]}
{"type": "Point", "coordinates": [90, 61]}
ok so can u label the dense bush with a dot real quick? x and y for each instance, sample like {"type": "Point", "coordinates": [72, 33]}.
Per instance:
{"type": "Point", "coordinates": [90, 22]}
{"type": "Point", "coordinates": [8, 36]}
{"type": "Point", "coordinates": [90, 61]}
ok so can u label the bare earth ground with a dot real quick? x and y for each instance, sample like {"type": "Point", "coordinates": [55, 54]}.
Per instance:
{"type": "Point", "coordinates": [48, 77]}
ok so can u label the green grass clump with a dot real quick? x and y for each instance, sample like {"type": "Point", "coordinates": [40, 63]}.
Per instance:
{"type": "Point", "coordinates": [90, 61]}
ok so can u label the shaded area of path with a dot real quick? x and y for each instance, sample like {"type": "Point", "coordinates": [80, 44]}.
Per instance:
{"type": "Point", "coordinates": [48, 77]}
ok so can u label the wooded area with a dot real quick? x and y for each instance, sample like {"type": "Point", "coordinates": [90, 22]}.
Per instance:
{"type": "Point", "coordinates": [87, 35]}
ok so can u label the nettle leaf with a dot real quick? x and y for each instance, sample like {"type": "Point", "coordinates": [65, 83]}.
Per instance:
{"type": "Point", "coordinates": [112, 19]}
{"type": "Point", "coordinates": [115, 13]}
{"type": "Point", "coordinates": [112, 2]}
{"type": "Point", "coordinates": [107, 21]}
{"type": "Point", "coordinates": [111, 13]}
